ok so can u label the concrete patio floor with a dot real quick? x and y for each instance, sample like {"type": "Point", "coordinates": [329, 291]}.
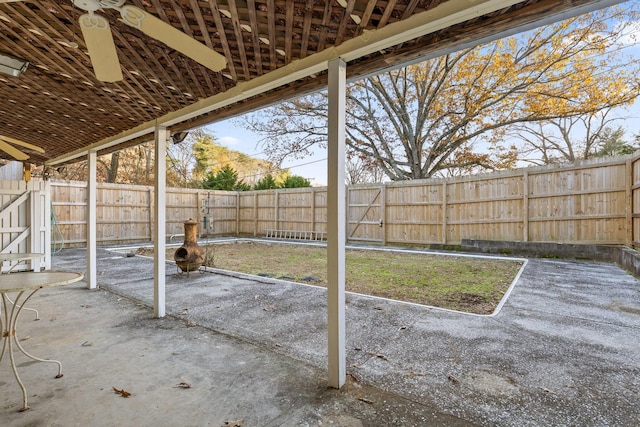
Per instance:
{"type": "Point", "coordinates": [564, 350]}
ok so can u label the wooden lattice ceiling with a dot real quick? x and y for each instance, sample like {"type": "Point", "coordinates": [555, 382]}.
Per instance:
{"type": "Point", "coordinates": [58, 103]}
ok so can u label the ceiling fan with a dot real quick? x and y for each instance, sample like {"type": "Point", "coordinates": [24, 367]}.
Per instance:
{"type": "Point", "coordinates": [7, 145]}
{"type": "Point", "coordinates": [102, 50]}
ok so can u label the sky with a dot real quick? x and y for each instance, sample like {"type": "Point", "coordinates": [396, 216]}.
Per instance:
{"type": "Point", "coordinates": [232, 135]}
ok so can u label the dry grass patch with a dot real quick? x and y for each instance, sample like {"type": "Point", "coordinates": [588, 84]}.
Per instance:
{"type": "Point", "coordinates": [474, 285]}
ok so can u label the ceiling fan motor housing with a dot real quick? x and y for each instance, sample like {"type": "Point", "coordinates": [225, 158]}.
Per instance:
{"type": "Point", "coordinates": [114, 4]}
{"type": "Point", "coordinates": [93, 5]}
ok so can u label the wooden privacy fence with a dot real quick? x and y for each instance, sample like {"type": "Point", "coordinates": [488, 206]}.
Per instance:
{"type": "Point", "coordinates": [595, 201]}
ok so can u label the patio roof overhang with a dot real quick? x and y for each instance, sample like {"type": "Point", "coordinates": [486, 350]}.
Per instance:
{"type": "Point", "coordinates": [274, 50]}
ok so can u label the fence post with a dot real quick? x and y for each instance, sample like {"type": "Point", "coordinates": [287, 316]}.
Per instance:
{"type": "Point", "coordinates": [525, 206]}
{"type": "Point", "coordinates": [383, 212]}
{"type": "Point", "coordinates": [151, 194]}
{"type": "Point", "coordinates": [313, 209]}
{"type": "Point", "coordinates": [629, 202]}
{"type": "Point", "coordinates": [255, 214]}
{"type": "Point", "coordinates": [199, 214]}
{"type": "Point", "coordinates": [277, 202]}
{"type": "Point", "coordinates": [237, 214]}
{"type": "Point", "coordinates": [444, 212]}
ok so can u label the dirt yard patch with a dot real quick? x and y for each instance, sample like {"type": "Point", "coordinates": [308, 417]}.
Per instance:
{"type": "Point", "coordinates": [474, 285]}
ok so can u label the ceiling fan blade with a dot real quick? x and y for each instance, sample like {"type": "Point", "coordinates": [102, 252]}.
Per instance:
{"type": "Point", "coordinates": [172, 37]}
{"type": "Point", "coordinates": [102, 49]}
{"type": "Point", "coordinates": [12, 151]}
{"type": "Point", "coordinates": [22, 143]}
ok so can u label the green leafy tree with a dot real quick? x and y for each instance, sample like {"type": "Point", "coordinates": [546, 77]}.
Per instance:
{"type": "Point", "coordinates": [611, 142]}
{"type": "Point", "coordinates": [224, 179]}
{"type": "Point", "coordinates": [268, 182]}
{"type": "Point", "coordinates": [295, 181]}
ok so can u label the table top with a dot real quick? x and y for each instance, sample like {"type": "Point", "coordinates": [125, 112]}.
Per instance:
{"type": "Point", "coordinates": [31, 280]}
{"type": "Point", "coordinates": [20, 256]}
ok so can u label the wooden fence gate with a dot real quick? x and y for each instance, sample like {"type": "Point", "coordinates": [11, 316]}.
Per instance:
{"type": "Point", "coordinates": [365, 221]}
{"type": "Point", "coordinates": [25, 222]}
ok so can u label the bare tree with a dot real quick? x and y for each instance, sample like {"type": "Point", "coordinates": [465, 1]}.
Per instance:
{"type": "Point", "coordinates": [565, 139]}
{"type": "Point", "coordinates": [362, 170]}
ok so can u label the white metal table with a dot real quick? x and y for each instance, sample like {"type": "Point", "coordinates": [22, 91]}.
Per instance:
{"type": "Point", "coordinates": [25, 285]}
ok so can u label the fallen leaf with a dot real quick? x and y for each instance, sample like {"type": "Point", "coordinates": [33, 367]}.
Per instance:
{"type": "Point", "coordinates": [277, 344]}
{"type": "Point", "coordinates": [353, 377]}
{"type": "Point", "coordinates": [237, 423]}
{"type": "Point", "coordinates": [414, 374]}
{"type": "Point", "coordinates": [378, 355]}
{"type": "Point", "coordinates": [402, 328]}
{"type": "Point", "coordinates": [25, 338]}
{"type": "Point", "coordinates": [355, 365]}
{"type": "Point", "coordinates": [121, 392]}
{"type": "Point", "coordinates": [87, 344]}
{"type": "Point", "coordinates": [185, 311]}
{"type": "Point", "coordinates": [184, 385]}
{"type": "Point", "coordinates": [453, 379]}
{"type": "Point", "coordinates": [547, 390]}
{"type": "Point", "coordinates": [269, 308]}
{"type": "Point", "coordinates": [365, 400]}
{"type": "Point", "coordinates": [190, 324]}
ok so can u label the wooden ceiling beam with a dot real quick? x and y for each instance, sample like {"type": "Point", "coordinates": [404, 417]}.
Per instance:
{"type": "Point", "coordinates": [388, 10]}
{"type": "Point", "coordinates": [326, 21]}
{"type": "Point", "coordinates": [306, 28]}
{"type": "Point", "coordinates": [201, 24]}
{"type": "Point", "coordinates": [288, 34]}
{"type": "Point", "coordinates": [237, 28]}
{"type": "Point", "coordinates": [215, 12]}
{"type": "Point", "coordinates": [366, 17]}
{"type": "Point", "coordinates": [253, 24]}
{"type": "Point", "coordinates": [346, 18]}
{"type": "Point", "coordinates": [186, 28]}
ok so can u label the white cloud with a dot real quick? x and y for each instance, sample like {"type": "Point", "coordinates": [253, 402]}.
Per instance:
{"type": "Point", "coordinates": [229, 140]}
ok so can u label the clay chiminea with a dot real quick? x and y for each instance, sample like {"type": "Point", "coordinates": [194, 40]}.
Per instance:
{"type": "Point", "coordinates": [189, 256]}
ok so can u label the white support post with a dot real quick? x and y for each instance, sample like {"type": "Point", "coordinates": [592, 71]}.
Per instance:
{"type": "Point", "coordinates": [37, 220]}
{"type": "Point", "coordinates": [91, 276]}
{"type": "Point", "coordinates": [336, 223]}
{"type": "Point", "coordinates": [46, 187]}
{"type": "Point", "coordinates": [159, 228]}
